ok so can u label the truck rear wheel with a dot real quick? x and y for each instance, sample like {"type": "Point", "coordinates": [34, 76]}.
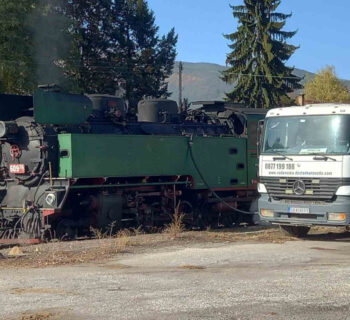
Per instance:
{"type": "Point", "coordinates": [295, 231]}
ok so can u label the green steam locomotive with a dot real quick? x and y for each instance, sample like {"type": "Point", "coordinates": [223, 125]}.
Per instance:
{"type": "Point", "coordinates": [72, 162]}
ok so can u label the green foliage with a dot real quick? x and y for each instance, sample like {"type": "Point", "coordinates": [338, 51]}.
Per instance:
{"type": "Point", "coordinates": [326, 87]}
{"type": "Point", "coordinates": [33, 42]}
{"type": "Point", "coordinates": [116, 44]}
{"type": "Point", "coordinates": [92, 46]}
{"type": "Point", "coordinates": [259, 52]}
{"type": "Point", "coordinates": [286, 101]}
{"type": "Point", "coordinates": [89, 63]}
{"type": "Point", "coordinates": [142, 60]}
{"type": "Point", "coordinates": [17, 63]}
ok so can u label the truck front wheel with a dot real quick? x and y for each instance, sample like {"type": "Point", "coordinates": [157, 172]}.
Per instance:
{"type": "Point", "coordinates": [295, 231]}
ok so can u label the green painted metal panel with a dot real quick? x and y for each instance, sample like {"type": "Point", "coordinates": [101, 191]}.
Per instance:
{"type": "Point", "coordinates": [66, 155]}
{"type": "Point", "coordinates": [61, 108]}
{"type": "Point", "coordinates": [220, 159]}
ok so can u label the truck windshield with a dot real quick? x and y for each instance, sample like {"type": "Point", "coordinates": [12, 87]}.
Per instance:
{"type": "Point", "coordinates": [329, 134]}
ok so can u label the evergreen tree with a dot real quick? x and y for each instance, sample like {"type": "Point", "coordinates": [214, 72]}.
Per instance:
{"type": "Point", "coordinates": [92, 46]}
{"type": "Point", "coordinates": [17, 63]}
{"type": "Point", "coordinates": [89, 64]}
{"type": "Point", "coordinates": [258, 57]}
{"type": "Point", "coordinates": [326, 87]}
{"type": "Point", "coordinates": [142, 60]}
{"type": "Point", "coordinates": [116, 44]}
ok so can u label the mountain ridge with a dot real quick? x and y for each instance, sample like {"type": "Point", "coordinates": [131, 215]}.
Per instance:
{"type": "Point", "coordinates": [201, 81]}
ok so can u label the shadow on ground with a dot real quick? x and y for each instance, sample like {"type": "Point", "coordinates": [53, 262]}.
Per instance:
{"type": "Point", "coordinates": [343, 236]}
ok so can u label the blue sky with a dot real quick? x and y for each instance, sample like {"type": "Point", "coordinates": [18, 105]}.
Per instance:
{"type": "Point", "coordinates": [323, 30]}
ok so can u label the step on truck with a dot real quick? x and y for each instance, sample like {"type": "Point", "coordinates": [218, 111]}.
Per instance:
{"type": "Point", "coordinates": [304, 167]}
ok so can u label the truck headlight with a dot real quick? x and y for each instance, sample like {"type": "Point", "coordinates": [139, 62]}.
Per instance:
{"type": "Point", "coordinates": [262, 188]}
{"type": "Point", "coordinates": [336, 216]}
{"type": "Point", "coordinates": [267, 213]}
{"type": "Point", "coordinates": [343, 191]}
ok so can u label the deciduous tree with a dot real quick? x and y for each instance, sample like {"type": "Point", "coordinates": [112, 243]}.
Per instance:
{"type": "Point", "coordinates": [326, 87]}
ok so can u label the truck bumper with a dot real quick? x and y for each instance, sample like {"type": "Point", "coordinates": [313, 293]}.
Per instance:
{"type": "Point", "coordinates": [318, 212]}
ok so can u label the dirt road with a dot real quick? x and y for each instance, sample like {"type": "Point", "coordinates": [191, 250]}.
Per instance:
{"type": "Point", "coordinates": [206, 280]}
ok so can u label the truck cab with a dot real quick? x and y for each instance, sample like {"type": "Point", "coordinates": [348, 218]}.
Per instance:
{"type": "Point", "coordinates": [304, 167]}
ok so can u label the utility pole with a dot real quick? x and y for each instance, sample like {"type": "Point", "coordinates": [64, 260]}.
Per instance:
{"type": "Point", "coordinates": [181, 67]}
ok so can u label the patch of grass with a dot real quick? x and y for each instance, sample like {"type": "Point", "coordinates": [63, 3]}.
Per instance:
{"type": "Point", "coordinates": [177, 226]}
{"type": "Point", "coordinates": [107, 247]}
{"type": "Point", "coordinates": [137, 231]}
{"type": "Point", "coordinates": [111, 243]}
{"type": "Point", "coordinates": [121, 241]}
{"type": "Point", "coordinates": [74, 252]}
{"type": "Point", "coordinates": [97, 233]}
{"type": "Point", "coordinates": [109, 232]}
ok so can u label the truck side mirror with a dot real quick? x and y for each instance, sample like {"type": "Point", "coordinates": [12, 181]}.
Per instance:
{"type": "Point", "coordinates": [260, 135]}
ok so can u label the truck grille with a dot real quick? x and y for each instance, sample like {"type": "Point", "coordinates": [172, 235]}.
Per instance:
{"type": "Point", "coordinates": [322, 189]}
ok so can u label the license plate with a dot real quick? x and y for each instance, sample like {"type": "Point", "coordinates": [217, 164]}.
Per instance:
{"type": "Point", "coordinates": [298, 210]}
{"type": "Point", "coordinates": [17, 168]}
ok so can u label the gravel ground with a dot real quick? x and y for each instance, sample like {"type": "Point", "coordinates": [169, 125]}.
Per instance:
{"type": "Point", "coordinates": [305, 279]}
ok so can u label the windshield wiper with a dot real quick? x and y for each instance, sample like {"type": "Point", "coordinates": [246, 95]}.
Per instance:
{"type": "Point", "coordinates": [318, 156]}
{"type": "Point", "coordinates": [281, 157]}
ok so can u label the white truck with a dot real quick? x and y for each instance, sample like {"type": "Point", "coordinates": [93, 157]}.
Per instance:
{"type": "Point", "coordinates": [304, 167]}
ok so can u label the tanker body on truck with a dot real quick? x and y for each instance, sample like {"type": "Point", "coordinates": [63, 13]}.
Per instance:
{"type": "Point", "coordinates": [305, 167]}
